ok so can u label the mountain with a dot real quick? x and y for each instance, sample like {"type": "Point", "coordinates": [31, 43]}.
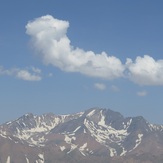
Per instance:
{"type": "Point", "coordinates": [93, 136]}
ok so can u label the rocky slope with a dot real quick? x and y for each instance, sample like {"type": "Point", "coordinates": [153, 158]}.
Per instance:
{"type": "Point", "coordinates": [93, 136]}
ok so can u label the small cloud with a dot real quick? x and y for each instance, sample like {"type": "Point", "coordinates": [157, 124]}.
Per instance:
{"type": "Point", "coordinates": [100, 86]}
{"type": "Point", "coordinates": [28, 74]}
{"type": "Point", "coordinates": [114, 88]}
{"type": "Point", "coordinates": [142, 93]}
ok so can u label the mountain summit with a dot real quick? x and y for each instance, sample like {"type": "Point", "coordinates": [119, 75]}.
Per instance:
{"type": "Point", "coordinates": [95, 135]}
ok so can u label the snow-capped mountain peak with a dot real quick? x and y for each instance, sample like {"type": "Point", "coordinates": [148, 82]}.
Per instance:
{"type": "Point", "coordinates": [90, 133]}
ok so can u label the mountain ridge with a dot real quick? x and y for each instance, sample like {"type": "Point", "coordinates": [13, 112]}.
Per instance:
{"type": "Point", "coordinates": [93, 133]}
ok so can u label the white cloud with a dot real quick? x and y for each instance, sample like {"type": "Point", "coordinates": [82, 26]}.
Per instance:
{"type": "Point", "coordinates": [29, 74]}
{"type": "Point", "coordinates": [145, 70]}
{"type": "Point", "coordinates": [50, 39]}
{"type": "Point", "coordinates": [26, 75]}
{"type": "Point", "coordinates": [100, 86]}
{"type": "Point", "coordinates": [142, 93]}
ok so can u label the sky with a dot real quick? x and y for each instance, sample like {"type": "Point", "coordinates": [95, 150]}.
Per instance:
{"type": "Point", "coordinates": [65, 57]}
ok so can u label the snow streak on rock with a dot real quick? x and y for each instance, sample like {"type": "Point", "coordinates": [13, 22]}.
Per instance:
{"type": "Point", "coordinates": [8, 159]}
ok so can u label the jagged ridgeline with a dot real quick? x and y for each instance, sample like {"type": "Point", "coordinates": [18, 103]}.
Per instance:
{"type": "Point", "coordinates": [93, 136]}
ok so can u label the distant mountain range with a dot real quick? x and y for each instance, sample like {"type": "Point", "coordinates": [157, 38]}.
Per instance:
{"type": "Point", "coordinates": [93, 136]}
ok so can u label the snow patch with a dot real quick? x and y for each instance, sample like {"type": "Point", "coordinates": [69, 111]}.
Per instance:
{"type": "Point", "coordinates": [82, 148]}
{"type": "Point", "coordinates": [67, 139]}
{"type": "Point", "coordinates": [41, 158]}
{"type": "Point", "coordinates": [105, 134]}
{"type": "Point", "coordinates": [80, 114]}
{"type": "Point", "coordinates": [123, 152]}
{"type": "Point", "coordinates": [112, 152]}
{"type": "Point", "coordinates": [73, 146]}
{"type": "Point", "coordinates": [8, 123]}
{"type": "Point", "coordinates": [102, 121]}
{"type": "Point", "coordinates": [138, 141]}
{"type": "Point", "coordinates": [154, 127]}
{"type": "Point", "coordinates": [91, 113]}
{"type": "Point", "coordinates": [77, 129]}
{"type": "Point", "coordinates": [62, 148]}
{"type": "Point", "coordinates": [27, 160]}
{"type": "Point", "coordinates": [8, 159]}
{"type": "Point", "coordinates": [4, 136]}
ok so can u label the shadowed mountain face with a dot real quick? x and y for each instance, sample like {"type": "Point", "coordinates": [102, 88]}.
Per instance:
{"type": "Point", "coordinates": [93, 136]}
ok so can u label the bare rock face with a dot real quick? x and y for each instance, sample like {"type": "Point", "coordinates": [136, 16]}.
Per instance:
{"type": "Point", "coordinates": [93, 136]}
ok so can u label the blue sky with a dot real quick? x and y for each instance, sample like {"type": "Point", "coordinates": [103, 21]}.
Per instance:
{"type": "Point", "coordinates": [67, 56]}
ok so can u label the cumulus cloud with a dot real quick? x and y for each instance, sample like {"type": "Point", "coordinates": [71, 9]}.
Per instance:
{"type": "Point", "coordinates": [29, 74]}
{"type": "Point", "coordinates": [142, 93]}
{"type": "Point", "coordinates": [50, 40]}
{"type": "Point", "coordinates": [100, 86]}
{"type": "Point", "coordinates": [145, 70]}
